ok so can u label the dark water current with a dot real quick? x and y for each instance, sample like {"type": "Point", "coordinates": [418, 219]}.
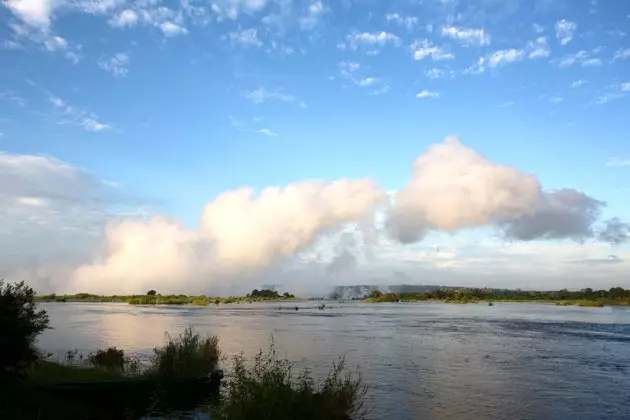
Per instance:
{"type": "Point", "coordinates": [421, 361]}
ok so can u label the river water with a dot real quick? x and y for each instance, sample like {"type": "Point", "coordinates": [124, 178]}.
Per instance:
{"type": "Point", "coordinates": [421, 360]}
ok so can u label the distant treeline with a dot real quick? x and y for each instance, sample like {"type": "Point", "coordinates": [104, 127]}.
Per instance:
{"type": "Point", "coordinates": [613, 296]}
{"type": "Point", "coordinates": [154, 298]}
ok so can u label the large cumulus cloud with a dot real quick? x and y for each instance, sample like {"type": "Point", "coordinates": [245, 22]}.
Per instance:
{"type": "Point", "coordinates": [63, 227]}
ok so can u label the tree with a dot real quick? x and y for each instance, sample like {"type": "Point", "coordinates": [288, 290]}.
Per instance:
{"type": "Point", "coordinates": [151, 293]}
{"type": "Point", "coordinates": [375, 294]}
{"type": "Point", "coordinates": [20, 324]}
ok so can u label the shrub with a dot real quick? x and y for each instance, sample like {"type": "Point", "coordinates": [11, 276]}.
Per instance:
{"type": "Point", "coordinates": [20, 324]}
{"type": "Point", "coordinates": [187, 355]}
{"type": "Point", "coordinates": [267, 389]}
{"type": "Point", "coordinates": [111, 359]}
{"type": "Point", "coordinates": [591, 304]}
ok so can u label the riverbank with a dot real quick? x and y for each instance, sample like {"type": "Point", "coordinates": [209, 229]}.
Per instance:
{"type": "Point", "coordinates": [158, 299]}
{"type": "Point", "coordinates": [582, 303]}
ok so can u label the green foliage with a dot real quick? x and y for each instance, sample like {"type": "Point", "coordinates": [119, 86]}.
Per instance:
{"type": "Point", "coordinates": [377, 296]}
{"type": "Point", "coordinates": [267, 389]}
{"type": "Point", "coordinates": [614, 296]}
{"type": "Point", "coordinates": [20, 324]}
{"type": "Point", "coordinates": [44, 372]}
{"type": "Point", "coordinates": [151, 293]}
{"type": "Point", "coordinates": [200, 302]}
{"type": "Point", "coordinates": [187, 355]}
{"type": "Point", "coordinates": [111, 359]}
{"type": "Point", "coordinates": [591, 303]}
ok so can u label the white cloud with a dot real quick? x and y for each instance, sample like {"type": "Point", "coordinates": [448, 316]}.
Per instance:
{"type": "Point", "coordinates": [125, 18]}
{"type": "Point", "coordinates": [371, 39]}
{"type": "Point", "coordinates": [617, 162]}
{"type": "Point", "coordinates": [262, 95]}
{"type": "Point", "coordinates": [367, 81]}
{"type": "Point", "coordinates": [380, 91]}
{"type": "Point", "coordinates": [268, 132]}
{"type": "Point", "coordinates": [625, 87]}
{"type": "Point", "coordinates": [117, 64]}
{"type": "Point", "coordinates": [423, 48]}
{"type": "Point", "coordinates": [346, 68]}
{"type": "Point", "coordinates": [313, 13]}
{"type": "Point", "coordinates": [90, 124]}
{"type": "Point", "coordinates": [66, 237]}
{"type": "Point", "coordinates": [73, 116]}
{"type": "Point", "coordinates": [245, 38]}
{"type": "Point", "coordinates": [591, 62]}
{"type": "Point", "coordinates": [435, 73]}
{"type": "Point", "coordinates": [502, 57]}
{"type": "Point", "coordinates": [570, 59]}
{"type": "Point", "coordinates": [171, 29]}
{"type": "Point", "coordinates": [539, 29]}
{"type": "Point", "coordinates": [55, 43]}
{"type": "Point", "coordinates": [556, 99]}
{"type": "Point", "coordinates": [467, 35]}
{"type": "Point", "coordinates": [427, 94]}
{"type": "Point", "coordinates": [408, 22]}
{"type": "Point", "coordinates": [36, 13]}
{"type": "Point", "coordinates": [231, 9]}
{"type": "Point", "coordinates": [9, 44]}
{"type": "Point", "coordinates": [622, 54]}
{"type": "Point", "coordinates": [564, 31]}
{"type": "Point", "coordinates": [578, 83]}
{"type": "Point", "coordinates": [538, 48]}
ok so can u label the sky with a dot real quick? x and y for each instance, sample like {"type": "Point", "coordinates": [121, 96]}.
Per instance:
{"type": "Point", "coordinates": [212, 147]}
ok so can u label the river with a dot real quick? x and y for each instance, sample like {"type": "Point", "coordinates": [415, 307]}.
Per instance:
{"type": "Point", "coordinates": [421, 360]}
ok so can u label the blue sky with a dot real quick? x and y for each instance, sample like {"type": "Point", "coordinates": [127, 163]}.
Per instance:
{"type": "Point", "coordinates": [152, 107]}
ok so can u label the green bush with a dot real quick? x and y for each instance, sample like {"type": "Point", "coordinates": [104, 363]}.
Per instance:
{"type": "Point", "coordinates": [187, 355]}
{"type": "Point", "coordinates": [111, 359]}
{"type": "Point", "coordinates": [20, 324]}
{"type": "Point", "coordinates": [267, 389]}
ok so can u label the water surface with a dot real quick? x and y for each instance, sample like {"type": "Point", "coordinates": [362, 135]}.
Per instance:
{"type": "Point", "coordinates": [421, 360]}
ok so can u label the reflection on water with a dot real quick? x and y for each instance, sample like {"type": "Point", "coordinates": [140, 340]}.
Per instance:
{"type": "Point", "coordinates": [421, 361]}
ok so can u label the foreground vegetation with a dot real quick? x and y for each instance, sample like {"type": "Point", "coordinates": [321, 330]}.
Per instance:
{"type": "Point", "coordinates": [181, 375]}
{"type": "Point", "coordinates": [153, 298]}
{"type": "Point", "coordinates": [267, 389]}
{"type": "Point", "coordinates": [585, 297]}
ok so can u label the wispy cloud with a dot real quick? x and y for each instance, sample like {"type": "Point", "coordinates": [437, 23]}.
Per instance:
{"type": "Point", "coordinates": [125, 18]}
{"type": "Point", "coordinates": [79, 117]}
{"type": "Point", "coordinates": [314, 12]}
{"type": "Point", "coordinates": [408, 22]}
{"type": "Point", "coordinates": [268, 132]}
{"type": "Point", "coordinates": [622, 54]}
{"type": "Point", "coordinates": [565, 30]}
{"type": "Point", "coordinates": [470, 36]}
{"type": "Point", "coordinates": [616, 162]}
{"type": "Point", "coordinates": [538, 48]}
{"type": "Point", "coordinates": [581, 57]}
{"type": "Point", "coordinates": [578, 83]}
{"type": "Point", "coordinates": [503, 57]}
{"type": "Point", "coordinates": [262, 95]}
{"type": "Point", "coordinates": [427, 94]}
{"type": "Point", "coordinates": [356, 40]}
{"type": "Point", "coordinates": [171, 29]}
{"type": "Point", "coordinates": [435, 73]}
{"type": "Point", "coordinates": [556, 99]}
{"type": "Point", "coordinates": [245, 38]}
{"type": "Point", "coordinates": [613, 92]}
{"type": "Point", "coordinates": [117, 64]}
{"type": "Point", "coordinates": [424, 48]}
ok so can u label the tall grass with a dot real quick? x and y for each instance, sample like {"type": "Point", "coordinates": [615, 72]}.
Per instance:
{"type": "Point", "coordinates": [186, 356]}
{"type": "Point", "coordinates": [267, 389]}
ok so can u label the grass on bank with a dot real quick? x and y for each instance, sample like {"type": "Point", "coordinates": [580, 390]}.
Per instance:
{"type": "Point", "coordinates": [267, 389]}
